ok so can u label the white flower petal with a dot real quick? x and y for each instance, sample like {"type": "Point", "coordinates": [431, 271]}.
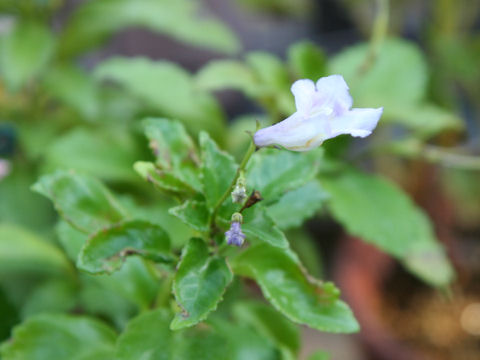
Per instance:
{"type": "Point", "coordinates": [356, 122]}
{"type": "Point", "coordinates": [304, 93]}
{"type": "Point", "coordinates": [333, 93]}
{"type": "Point", "coordinates": [294, 133]}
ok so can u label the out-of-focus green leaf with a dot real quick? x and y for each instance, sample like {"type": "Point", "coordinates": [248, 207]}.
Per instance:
{"type": "Point", "coordinates": [274, 172]}
{"type": "Point", "coordinates": [298, 205]}
{"type": "Point", "coordinates": [57, 337]}
{"type": "Point", "coordinates": [93, 22]}
{"type": "Point", "coordinates": [218, 170]}
{"type": "Point", "coordinates": [75, 88]}
{"type": "Point", "coordinates": [174, 149]}
{"type": "Point", "coordinates": [381, 214]}
{"type": "Point", "coordinates": [292, 292]}
{"type": "Point", "coordinates": [134, 281]}
{"type": "Point", "coordinates": [21, 250]}
{"type": "Point", "coordinates": [70, 238]}
{"type": "Point", "coordinates": [148, 336]}
{"type": "Point", "coordinates": [244, 342]}
{"type": "Point", "coordinates": [269, 323]}
{"type": "Point", "coordinates": [305, 247]}
{"type": "Point", "coordinates": [228, 74]}
{"type": "Point", "coordinates": [52, 296]}
{"type": "Point", "coordinates": [193, 213]}
{"type": "Point", "coordinates": [319, 355]}
{"type": "Point", "coordinates": [426, 120]}
{"type": "Point", "coordinates": [106, 154]}
{"type": "Point", "coordinates": [199, 284]}
{"type": "Point", "coordinates": [82, 201]}
{"type": "Point", "coordinates": [32, 211]}
{"type": "Point", "coordinates": [258, 225]}
{"type": "Point", "coordinates": [24, 52]}
{"type": "Point", "coordinates": [105, 251]}
{"type": "Point", "coordinates": [398, 75]}
{"type": "Point", "coordinates": [8, 315]}
{"type": "Point", "coordinates": [167, 88]}
{"type": "Point", "coordinates": [307, 61]}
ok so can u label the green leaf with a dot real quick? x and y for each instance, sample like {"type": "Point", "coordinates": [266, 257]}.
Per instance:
{"type": "Point", "coordinates": [8, 315]}
{"type": "Point", "coordinates": [52, 296]}
{"type": "Point", "coordinates": [399, 62]}
{"type": "Point", "coordinates": [93, 22]}
{"type": "Point", "coordinates": [21, 250]}
{"type": "Point", "coordinates": [218, 170]}
{"type": "Point", "coordinates": [244, 342]}
{"type": "Point", "coordinates": [75, 88]}
{"type": "Point", "coordinates": [82, 201]}
{"type": "Point", "coordinates": [193, 213]}
{"type": "Point", "coordinates": [298, 205]}
{"type": "Point", "coordinates": [274, 172]}
{"type": "Point", "coordinates": [228, 74]}
{"type": "Point", "coordinates": [57, 337]}
{"type": "Point", "coordinates": [174, 149]}
{"type": "Point", "coordinates": [377, 211]}
{"type": "Point", "coordinates": [199, 284]}
{"type": "Point", "coordinates": [148, 337]}
{"type": "Point", "coordinates": [166, 88]}
{"type": "Point", "coordinates": [161, 179]}
{"type": "Point", "coordinates": [298, 296]}
{"type": "Point", "coordinates": [105, 251]}
{"type": "Point", "coordinates": [70, 238]}
{"type": "Point", "coordinates": [257, 225]}
{"type": "Point", "coordinates": [104, 153]}
{"type": "Point", "coordinates": [24, 52]}
{"type": "Point", "coordinates": [307, 60]}
{"type": "Point", "coordinates": [270, 323]}
{"type": "Point", "coordinates": [319, 355]}
{"type": "Point", "coordinates": [426, 120]}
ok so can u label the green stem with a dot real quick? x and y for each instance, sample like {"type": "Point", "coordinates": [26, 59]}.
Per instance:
{"type": "Point", "coordinates": [241, 167]}
{"type": "Point", "coordinates": [380, 27]}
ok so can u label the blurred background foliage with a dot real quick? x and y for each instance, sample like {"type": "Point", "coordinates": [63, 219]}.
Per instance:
{"type": "Point", "coordinates": [77, 76]}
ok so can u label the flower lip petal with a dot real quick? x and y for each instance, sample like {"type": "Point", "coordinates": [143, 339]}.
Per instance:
{"type": "Point", "coordinates": [304, 92]}
{"type": "Point", "coordinates": [357, 122]}
{"type": "Point", "coordinates": [334, 93]}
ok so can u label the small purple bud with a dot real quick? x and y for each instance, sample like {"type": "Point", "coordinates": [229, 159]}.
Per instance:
{"type": "Point", "coordinates": [234, 235]}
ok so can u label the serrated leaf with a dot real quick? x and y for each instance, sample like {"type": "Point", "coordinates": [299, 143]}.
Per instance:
{"type": "Point", "coordinates": [292, 292]}
{"type": "Point", "coordinates": [148, 337]}
{"type": "Point", "coordinates": [168, 89]}
{"type": "Point", "coordinates": [57, 337]}
{"type": "Point", "coordinates": [174, 150]}
{"type": "Point", "coordinates": [105, 251]}
{"type": "Point", "coordinates": [163, 180]}
{"type": "Point", "coordinates": [218, 170]}
{"type": "Point", "coordinates": [21, 250]}
{"type": "Point", "coordinates": [199, 284]}
{"type": "Point", "coordinates": [258, 225]}
{"type": "Point", "coordinates": [307, 60]}
{"type": "Point", "coordinates": [298, 205]}
{"type": "Point", "coordinates": [24, 52]}
{"type": "Point", "coordinates": [268, 322]}
{"type": "Point", "coordinates": [92, 23]}
{"type": "Point", "coordinates": [82, 201]}
{"type": "Point", "coordinates": [274, 172]}
{"type": "Point", "coordinates": [70, 238]}
{"type": "Point", "coordinates": [377, 211]}
{"type": "Point", "coordinates": [193, 213]}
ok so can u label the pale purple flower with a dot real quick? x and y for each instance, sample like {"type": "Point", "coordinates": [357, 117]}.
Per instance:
{"type": "Point", "coordinates": [323, 112]}
{"type": "Point", "coordinates": [234, 235]}
{"type": "Point", "coordinates": [4, 168]}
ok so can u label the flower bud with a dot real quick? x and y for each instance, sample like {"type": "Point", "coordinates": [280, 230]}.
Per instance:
{"type": "Point", "coordinates": [239, 193]}
{"type": "Point", "coordinates": [234, 235]}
